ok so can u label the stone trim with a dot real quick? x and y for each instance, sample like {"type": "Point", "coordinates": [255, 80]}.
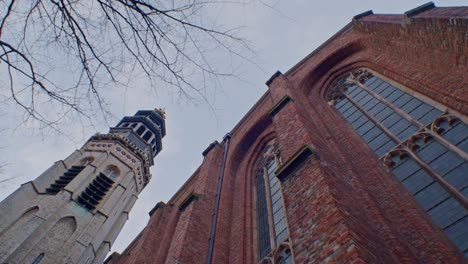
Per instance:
{"type": "Point", "coordinates": [188, 200]}
{"type": "Point", "coordinates": [278, 106]}
{"type": "Point", "coordinates": [210, 147]}
{"type": "Point", "coordinates": [296, 161]}
{"type": "Point", "coordinates": [420, 9]}
{"type": "Point", "coordinates": [159, 205]}
{"type": "Point", "coordinates": [363, 14]}
{"type": "Point", "coordinates": [273, 77]}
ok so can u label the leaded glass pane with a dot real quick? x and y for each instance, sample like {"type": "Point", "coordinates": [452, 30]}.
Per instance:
{"type": "Point", "coordinates": [411, 105]}
{"type": "Point", "coordinates": [262, 218]}
{"type": "Point", "coordinates": [376, 109]}
{"type": "Point", "coordinates": [405, 98]}
{"type": "Point", "coordinates": [372, 82]}
{"type": "Point", "coordinates": [360, 121]}
{"type": "Point", "coordinates": [447, 212]}
{"type": "Point", "coordinates": [378, 141]}
{"type": "Point", "coordinates": [400, 127]}
{"type": "Point", "coordinates": [279, 227]}
{"type": "Point", "coordinates": [456, 133]}
{"type": "Point", "coordinates": [458, 233]}
{"type": "Point", "coordinates": [405, 168]}
{"type": "Point", "coordinates": [431, 195]}
{"type": "Point", "coordinates": [395, 95]}
{"type": "Point", "coordinates": [345, 106]}
{"type": "Point", "coordinates": [387, 91]}
{"type": "Point", "coordinates": [417, 181]}
{"type": "Point", "coordinates": [457, 176]}
{"type": "Point", "coordinates": [365, 127]}
{"type": "Point", "coordinates": [386, 111]}
{"type": "Point", "coordinates": [420, 111]}
{"type": "Point", "coordinates": [371, 134]}
{"type": "Point", "coordinates": [381, 87]}
{"type": "Point", "coordinates": [430, 116]}
{"type": "Point", "coordinates": [370, 104]}
{"type": "Point", "coordinates": [385, 148]}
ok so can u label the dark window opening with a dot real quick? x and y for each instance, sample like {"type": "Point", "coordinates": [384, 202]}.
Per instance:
{"type": "Point", "coordinates": [95, 192]}
{"type": "Point", "coordinates": [38, 259]}
{"type": "Point", "coordinates": [147, 135]}
{"type": "Point", "coordinates": [140, 130]}
{"type": "Point", "coordinates": [64, 180]}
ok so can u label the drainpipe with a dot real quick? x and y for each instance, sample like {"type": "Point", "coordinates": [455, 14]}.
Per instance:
{"type": "Point", "coordinates": [214, 220]}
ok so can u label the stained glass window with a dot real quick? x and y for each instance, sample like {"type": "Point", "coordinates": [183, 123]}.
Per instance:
{"type": "Point", "coordinates": [424, 146]}
{"type": "Point", "coordinates": [271, 218]}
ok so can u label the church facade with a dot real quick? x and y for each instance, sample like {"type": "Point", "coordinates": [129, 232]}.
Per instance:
{"type": "Point", "coordinates": [358, 154]}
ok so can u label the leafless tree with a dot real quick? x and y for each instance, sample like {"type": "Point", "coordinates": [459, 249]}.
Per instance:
{"type": "Point", "coordinates": [64, 54]}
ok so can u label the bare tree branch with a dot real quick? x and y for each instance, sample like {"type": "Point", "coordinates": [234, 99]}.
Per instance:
{"type": "Point", "coordinates": [68, 53]}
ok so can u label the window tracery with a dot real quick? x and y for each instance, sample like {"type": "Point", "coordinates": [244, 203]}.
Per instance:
{"type": "Point", "coordinates": [425, 147]}
{"type": "Point", "coordinates": [273, 235]}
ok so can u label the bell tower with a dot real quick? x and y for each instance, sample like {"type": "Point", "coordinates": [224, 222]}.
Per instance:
{"type": "Point", "coordinates": [73, 212]}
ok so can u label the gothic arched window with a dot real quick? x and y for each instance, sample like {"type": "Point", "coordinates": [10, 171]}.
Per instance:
{"type": "Point", "coordinates": [423, 144]}
{"type": "Point", "coordinates": [272, 229]}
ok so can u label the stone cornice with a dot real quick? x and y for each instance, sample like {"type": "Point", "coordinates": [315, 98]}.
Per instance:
{"type": "Point", "coordinates": [132, 147]}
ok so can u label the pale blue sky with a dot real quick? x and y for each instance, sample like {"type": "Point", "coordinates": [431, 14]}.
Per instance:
{"type": "Point", "coordinates": [281, 37]}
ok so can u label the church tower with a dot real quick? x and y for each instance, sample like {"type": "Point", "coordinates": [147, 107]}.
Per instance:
{"type": "Point", "coordinates": [73, 212]}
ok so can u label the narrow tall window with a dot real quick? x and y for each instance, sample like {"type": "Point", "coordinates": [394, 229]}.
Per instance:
{"type": "Point", "coordinates": [141, 130]}
{"type": "Point", "coordinates": [38, 259]}
{"type": "Point", "coordinates": [273, 236]}
{"type": "Point", "coordinates": [425, 147]}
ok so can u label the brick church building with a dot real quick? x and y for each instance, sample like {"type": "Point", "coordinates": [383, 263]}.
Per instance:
{"type": "Point", "coordinates": [358, 154]}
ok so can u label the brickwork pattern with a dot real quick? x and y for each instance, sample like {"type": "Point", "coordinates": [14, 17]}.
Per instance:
{"type": "Point", "coordinates": [342, 205]}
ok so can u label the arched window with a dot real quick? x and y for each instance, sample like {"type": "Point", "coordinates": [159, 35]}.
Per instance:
{"type": "Point", "coordinates": [271, 218]}
{"type": "Point", "coordinates": [424, 146]}
{"type": "Point", "coordinates": [141, 130]}
{"type": "Point", "coordinates": [112, 172]}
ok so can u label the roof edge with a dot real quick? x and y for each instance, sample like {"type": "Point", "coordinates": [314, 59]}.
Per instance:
{"type": "Point", "coordinates": [420, 9]}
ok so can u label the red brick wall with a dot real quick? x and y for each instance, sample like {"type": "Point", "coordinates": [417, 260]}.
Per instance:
{"type": "Point", "coordinates": [342, 205]}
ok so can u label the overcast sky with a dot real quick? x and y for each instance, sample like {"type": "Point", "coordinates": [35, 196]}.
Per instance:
{"type": "Point", "coordinates": [281, 37]}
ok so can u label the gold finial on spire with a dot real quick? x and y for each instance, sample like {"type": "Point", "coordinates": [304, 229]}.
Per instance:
{"type": "Point", "coordinates": [161, 111]}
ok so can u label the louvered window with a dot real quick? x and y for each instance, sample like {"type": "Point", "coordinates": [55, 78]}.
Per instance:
{"type": "Point", "coordinates": [424, 146]}
{"type": "Point", "coordinates": [95, 192]}
{"type": "Point", "coordinates": [64, 180]}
